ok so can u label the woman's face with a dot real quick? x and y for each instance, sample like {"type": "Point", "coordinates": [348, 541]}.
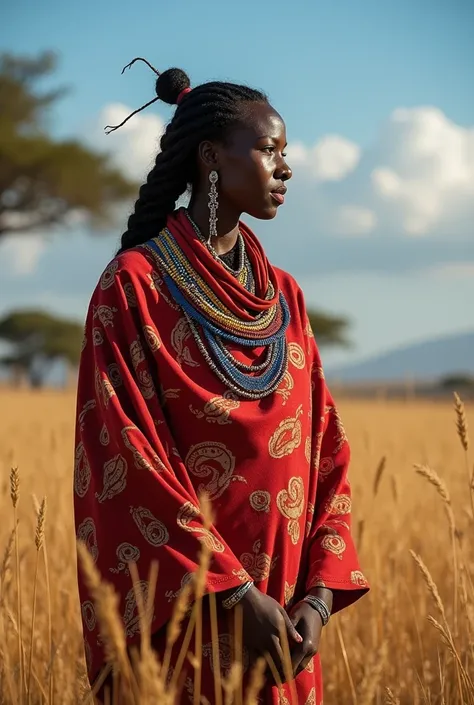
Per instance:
{"type": "Point", "coordinates": [251, 164]}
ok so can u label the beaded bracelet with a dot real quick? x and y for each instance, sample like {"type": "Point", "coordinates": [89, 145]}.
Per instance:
{"type": "Point", "coordinates": [320, 606]}
{"type": "Point", "coordinates": [236, 596]}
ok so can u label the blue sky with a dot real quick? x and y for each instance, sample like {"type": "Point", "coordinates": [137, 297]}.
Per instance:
{"type": "Point", "coordinates": [379, 107]}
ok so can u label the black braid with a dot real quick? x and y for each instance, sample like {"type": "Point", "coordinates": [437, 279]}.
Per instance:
{"type": "Point", "coordinates": [206, 112]}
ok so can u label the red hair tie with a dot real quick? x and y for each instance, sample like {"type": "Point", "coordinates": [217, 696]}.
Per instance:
{"type": "Point", "coordinates": [182, 94]}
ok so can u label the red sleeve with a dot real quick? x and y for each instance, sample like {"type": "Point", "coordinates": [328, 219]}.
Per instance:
{"type": "Point", "coordinates": [133, 497]}
{"type": "Point", "coordinates": [333, 561]}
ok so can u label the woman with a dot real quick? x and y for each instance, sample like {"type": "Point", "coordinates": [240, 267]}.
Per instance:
{"type": "Point", "coordinates": [200, 374]}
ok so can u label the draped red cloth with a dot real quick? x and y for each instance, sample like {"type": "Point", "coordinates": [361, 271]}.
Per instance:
{"type": "Point", "coordinates": [155, 427]}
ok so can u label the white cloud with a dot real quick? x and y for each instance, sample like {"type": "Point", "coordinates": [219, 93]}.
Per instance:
{"type": "Point", "coordinates": [20, 254]}
{"type": "Point", "coordinates": [332, 158]}
{"type": "Point", "coordinates": [417, 178]}
{"type": "Point", "coordinates": [134, 146]}
{"type": "Point", "coordinates": [354, 220]}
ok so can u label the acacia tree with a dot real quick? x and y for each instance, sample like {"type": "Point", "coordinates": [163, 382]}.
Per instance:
{"type": "Point", "coordinates": [43, 179]}
{"type": "Point", "coordinates": [36, 340]}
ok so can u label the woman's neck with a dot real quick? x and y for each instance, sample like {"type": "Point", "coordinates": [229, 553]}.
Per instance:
{"type": "Point", "coordinates": [227, 225]}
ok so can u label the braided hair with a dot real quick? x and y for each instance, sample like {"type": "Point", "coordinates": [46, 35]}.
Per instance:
{"type": "Point", "coordinates": [206, 112]}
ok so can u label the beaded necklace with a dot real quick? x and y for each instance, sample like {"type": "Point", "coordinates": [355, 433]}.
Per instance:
{"type": "Point", "coordinates": [212, 323]}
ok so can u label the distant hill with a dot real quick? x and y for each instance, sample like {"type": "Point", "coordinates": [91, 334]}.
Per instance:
{"type": "Point", "coordinates": [425, 361]}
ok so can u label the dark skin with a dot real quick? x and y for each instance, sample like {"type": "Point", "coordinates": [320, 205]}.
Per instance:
{"type": "Point", "coordinates": [252, 173]}
{"type": "Point", "coordinates": [251, 165]}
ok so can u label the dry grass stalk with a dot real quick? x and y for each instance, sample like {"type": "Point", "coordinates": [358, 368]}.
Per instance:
{"type": "Point", "coordinates": [106, 602]}
{"type": "Point", "coordinates": [390, 698]}
{"type": "Point", "coordinates": [216, 666]}
{"type": "Point", "coordinates": [15, 497]}
{"type": "Point", "coordinates": [462, 675]}
{"type": "Point", "coordinates": [378, 475]}
{"type": "Point", "coordinates": [461, 421]}
{"type": "Point", "coordinates": [39, 539]}
{"type": "Point", "coordinates": [394, 485]}
{"type": "Point", "coordinates": [256, 682]}
{"type": "Point", "coordinates": [431, 585]}
{"type": "Point", "coordinates": [435, 480]}
{"type": "Point", "coordinates": [7, 554]}
{"type": "Point", "coordinates": [373, 676]}
{"type": "Point", "coordinates": [346, 662]}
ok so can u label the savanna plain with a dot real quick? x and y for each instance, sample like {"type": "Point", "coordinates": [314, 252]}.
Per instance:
{"type": "Point", "coordinates": [410, 641]}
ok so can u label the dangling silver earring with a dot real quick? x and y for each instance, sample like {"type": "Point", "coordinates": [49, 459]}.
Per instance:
{"type": "Point", "coordinates": [213, 204]}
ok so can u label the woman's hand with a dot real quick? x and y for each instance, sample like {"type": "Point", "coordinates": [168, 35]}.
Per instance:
{"type": "Point", "coordinates": [263, 619]}
{"type": "Point", "coordinates": [309, 624]}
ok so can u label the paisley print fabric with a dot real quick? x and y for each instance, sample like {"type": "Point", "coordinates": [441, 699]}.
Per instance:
{"type": "Point", "coordinates": [156, 427]}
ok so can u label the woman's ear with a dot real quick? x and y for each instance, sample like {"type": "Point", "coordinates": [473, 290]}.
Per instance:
{"type": "Point", "coordinates": [208, 155]}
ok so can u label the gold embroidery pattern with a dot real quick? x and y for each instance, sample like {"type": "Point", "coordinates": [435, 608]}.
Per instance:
{"type": "Point", "coordinates": [172, 595]}
{"type": "Point", "coordinates": [108, 277]}
{"type": "Point", "coordinates": [326, 466]}
{"type": "Point", "coordinates": [105, 314]}
{"type": "Point", "coordinates": [115, 377]}
{"type": "Point", "coordinates": [334, 544]}
{"type": "Point", "coordinates": [310, 666]}
{"type": "Point", "coordinates": [115, 478]}
{"type": "Point", "coordinates": [130, 295]}
{"type": "Point", "coordinates": [311, 699]}
{"type": "Point", "coordinates": [82, 471]}
{"type": "Point", "coordinates": [86, 532]}
{"type": "Point", "coordinates": [202, 460]}
{"type": "Point", "coordinates": [340, 436]}
{"type": "Point", "coordinates": [126, 553]}
{"type": "Point", "coordinates": [89, 615]}
{"type": "Point", "coordinates": [338, 504]}
{"type": "Point", "coordinates": [139, 460]}
{"type": "Point", "coordinates": [166, 394]}
{"type": "Point", "coordinates": [289, 592]}
{"type": "Point", "coordinates": [241, 574]}
{"type": "Point", "coordinates": [260, 501]}
{"type": "Point", "coordinates": [287, 385]}
{"type": "Point", "coordinates": [296, 355]}
{"type": "Point", "coordinates": [308, 331]}
{"type": "Point", "coordinates": [145, 382]}
{"type": "Point", "coordinates": [217, 410]}
{"type": "Point", "coordinates": [157, 284]}
{"type": "Point", "coordinates": [290, 502]}
{"type": "Point", "coordinates": [97, 337]}
{"type": "Point", "coordinates": [179, 335]}
{"type": "Point", "coordinates": [103, 388]}
{"type": "Point", "coordinates": [287, 436]}
{"type": "Point", "coordinates": [316, 450]}
{"type": "Point", "coordinates": [225, 655]}
{"type": "Point", "coordinates": [104, 437]}
{"type": "Point", "coordinates": [91, 404]}
{"type": "Point", "coordinates": [131, 617]}
{"type": "Point", "coordinates": [258, 565]}
{"type": "Point", "coordinates": [152, 338]}
{"type": "Point", "coordinates": [186, 514]}
{"type": "Point", "coordinates": [151, 528]}
{"type": "Point", "coordinates": [358, 578]}
{"type": "Point", "coordinates": [307, 450]}
{"type": "Point", "coordinates": [137, 353]}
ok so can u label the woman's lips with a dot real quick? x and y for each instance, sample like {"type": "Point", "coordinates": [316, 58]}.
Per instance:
{"type": "Point", "coordinates": [278, 197]}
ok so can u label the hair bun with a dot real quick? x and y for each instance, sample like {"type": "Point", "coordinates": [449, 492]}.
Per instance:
{"type": "Point", "coordinates": [170, 84]}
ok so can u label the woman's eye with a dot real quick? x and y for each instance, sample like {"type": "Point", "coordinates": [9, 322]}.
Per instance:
{"type": "Point", "coordinates": [269, 149]}
{"type": "Point", "coordinates": [284, 155]}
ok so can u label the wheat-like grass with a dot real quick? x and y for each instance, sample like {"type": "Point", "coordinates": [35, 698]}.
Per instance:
{"type": "Point", "coordinates": [39, 539]}
{"type": "Point", "coordinates": [425, 666]}
{"type": "Point", "coordinates": [378, 474]}
{"type": "Point", "coordinates": [461, 421]}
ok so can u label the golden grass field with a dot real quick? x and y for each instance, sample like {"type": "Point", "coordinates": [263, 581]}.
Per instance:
{"type": "Point", "coordinates": [410, 641]}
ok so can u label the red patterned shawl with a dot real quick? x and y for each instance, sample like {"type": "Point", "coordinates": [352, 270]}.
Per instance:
{"type": "Point", "coordinates": [155, 427]}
